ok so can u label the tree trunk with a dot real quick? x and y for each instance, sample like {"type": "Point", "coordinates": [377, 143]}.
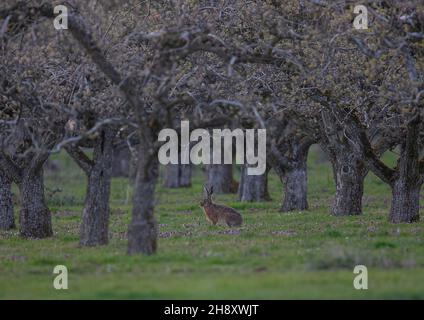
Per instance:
{"type": "Point", "coordinates": [405, 202]}
{"type": "Point", "coordinates": [172, 176]}
{"type": "Point", "coordinates": [349, 174]}
{"type": "Point", "coordinates": [7, 218]}
{"type": "Point", "coordinates": [295, 182]}
{"type": "Point", "coordinates": [293, 174]}
{"type": "Point", "coordinates": [177, 176]}
{"type": "Point", "coordinates": [143, 229]}
{"type": "Point", "coordinates": [407, 181]}
{"type": "Point", "coordinates": [253, 188]}
{"type": "Point", "coordinates": [35, 217]}
{"type": "Point", "coordinates": [94, 229]}
{"type": "Point", "coordinates": [185, 175]}
{"type": "Point", "coordinates": [133, 166]}
{"type": "Point", "coordinates": [220, 177]}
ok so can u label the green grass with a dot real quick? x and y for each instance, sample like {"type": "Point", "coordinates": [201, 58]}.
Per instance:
{"type": "Point", "coordinates": [274, 256]}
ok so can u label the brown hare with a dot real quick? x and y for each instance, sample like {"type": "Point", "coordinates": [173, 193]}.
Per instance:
{"type": "Point", "coordinates": [216, 213]}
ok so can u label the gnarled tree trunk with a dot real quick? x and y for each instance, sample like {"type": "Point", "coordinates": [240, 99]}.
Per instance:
{"type": "Point", "coordinates": [349, 174]}
{"type": "Point", "coordinates": [172, 176]}
{"type": "Point", "coordinates": [185, 175]}
{"type": "Point", "coordinates": [293, 173]}
{"type": "Point", "coordinates": [133, 166]}
{"type": "Point", "coordinates": [253, 188]}
{"type": "Point", "coordinates": [295, 182]}
{"type": "Point", "coordinates": [349, 170]}
{"type": "Point", "coordinates": [405, 201]}
{"type": "Point", "coordinates": [177, 176]}
{"type": "Point", "coordinates": [408, 178]}
{"type": "Point", "coordinates": [34, 217]}
{"type": "Point", "coordinates": [94, 229]}
{"type": "Point", "coordinates": [143, 229]}
{"type": "Point", "coordinates": [220, 177]}
{"type": "Point", "coordinates": [7, 218]}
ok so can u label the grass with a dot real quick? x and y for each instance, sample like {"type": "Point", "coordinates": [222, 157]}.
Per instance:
{"type": "Point", "coordinates": [274, 255]}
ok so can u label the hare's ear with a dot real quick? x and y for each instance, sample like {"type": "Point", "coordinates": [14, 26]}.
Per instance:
{"type": "Point", "coordinates": [211, 191]}
{"type": "Point", "coordinates": [206, 191]}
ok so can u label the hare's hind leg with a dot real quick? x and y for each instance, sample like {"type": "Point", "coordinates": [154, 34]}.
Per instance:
{"type": "Point", "coordinates": [233, 221]}
{"type": "Point", "coordinates": [230, 223]}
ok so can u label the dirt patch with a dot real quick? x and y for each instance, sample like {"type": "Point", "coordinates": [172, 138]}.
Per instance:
{"type": "Point", "coordinates": [191, 225]}
{"type": "Point", "coordinates": [173, 233]}
{"type": "Point", "coordinates": [284, 233]}
{"type": "Point", "coordinates": [231, 232]}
